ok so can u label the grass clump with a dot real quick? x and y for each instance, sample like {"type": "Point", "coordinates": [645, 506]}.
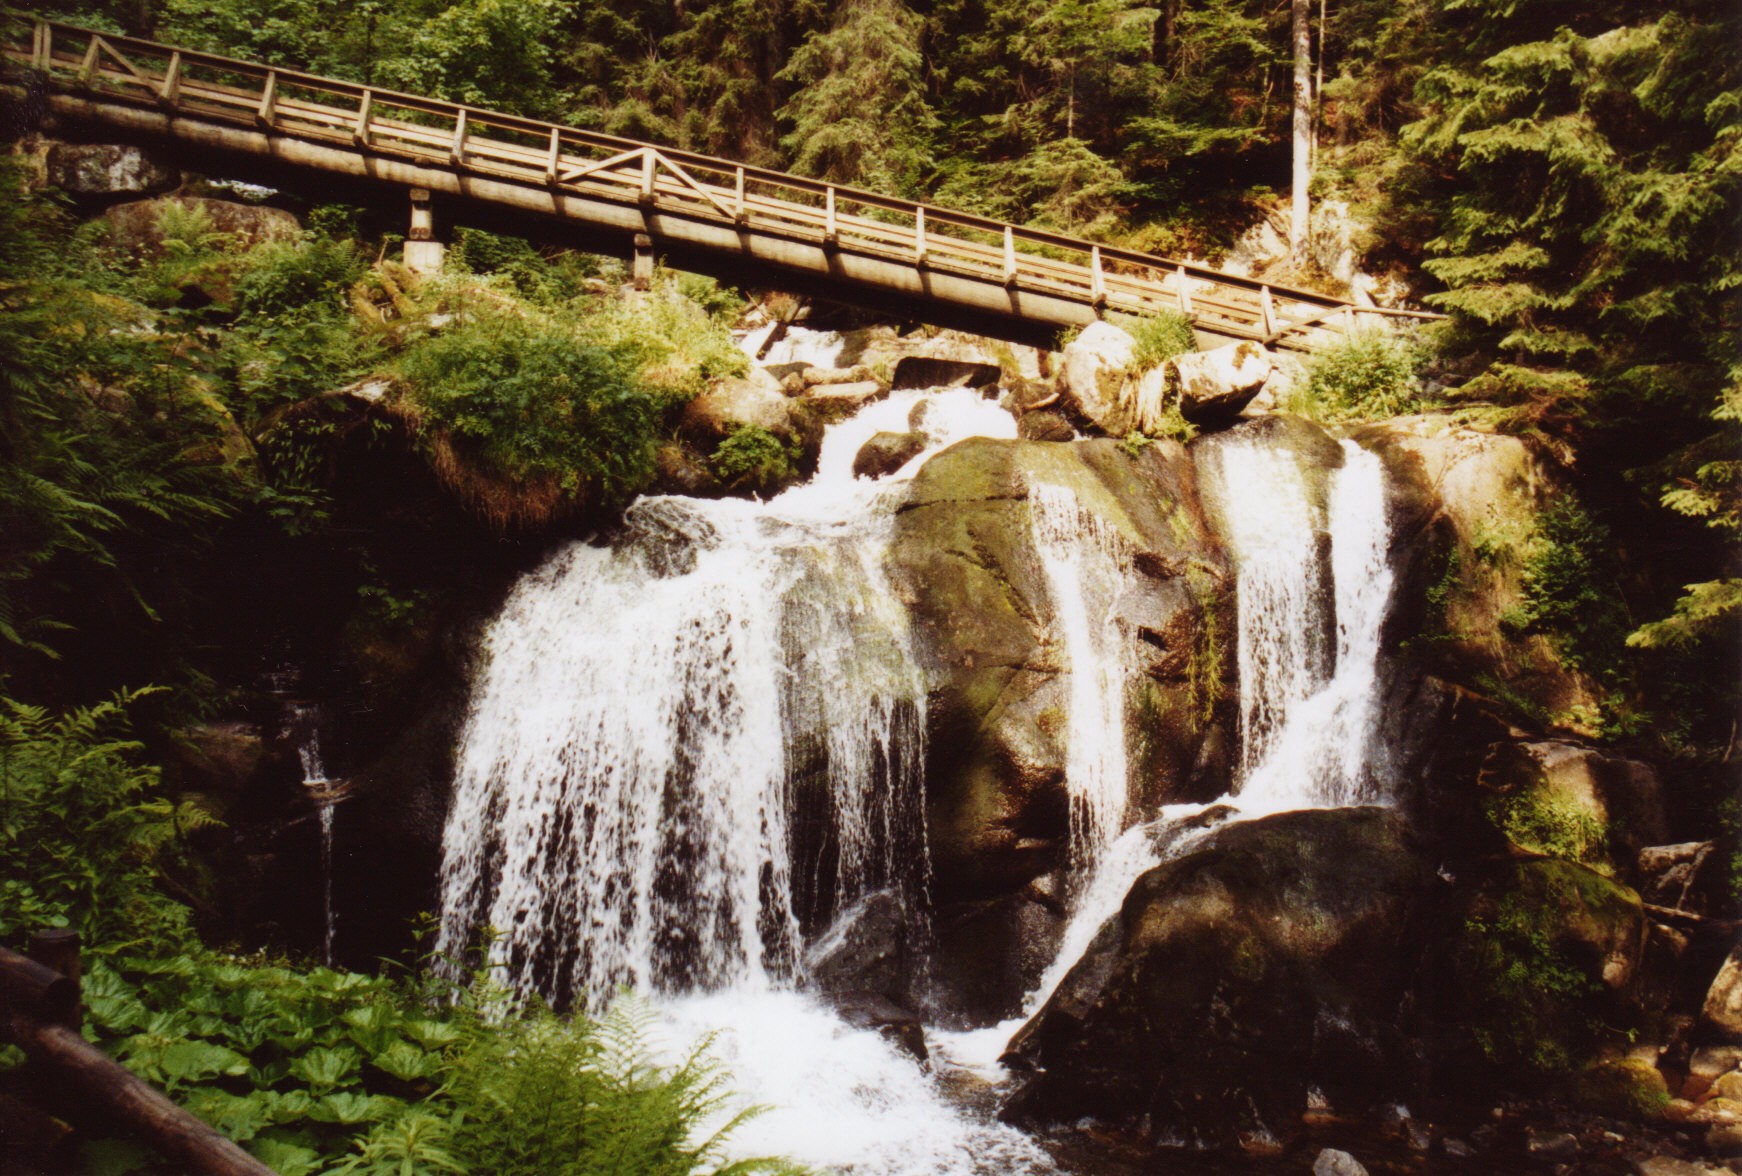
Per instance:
{"type": "Point", "coordinates": [753, 458]}
{"type": "Point", "coordinates": [1159, 338]}
{"type": "Point", "coordinates": [539, 403]}
{"type": "Point", "coordinates": [1369, 375]}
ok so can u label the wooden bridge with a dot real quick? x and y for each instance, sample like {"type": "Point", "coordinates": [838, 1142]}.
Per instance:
{"type": "Point", "coordinates": [339, 140]}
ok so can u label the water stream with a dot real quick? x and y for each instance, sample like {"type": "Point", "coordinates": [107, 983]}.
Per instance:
{"type": "Point", "coordinates": [651, 713]}
{"type": "Point", "coordinates": [321, 789]}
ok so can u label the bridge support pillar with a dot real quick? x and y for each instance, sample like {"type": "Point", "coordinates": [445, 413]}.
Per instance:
{"type": "Point", "coordinates": [423, 253]}
{"type": "Point", "coordinates": [641, 266]}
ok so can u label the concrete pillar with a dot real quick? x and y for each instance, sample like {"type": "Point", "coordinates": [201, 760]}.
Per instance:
{"type": "Point", "coordinates": [641, 268]}
{"type": "Point", "coordinates": [423, 253]}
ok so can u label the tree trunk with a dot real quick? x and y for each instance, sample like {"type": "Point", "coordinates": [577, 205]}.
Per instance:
{"type": "Point", "coordinates": [1301, 12]}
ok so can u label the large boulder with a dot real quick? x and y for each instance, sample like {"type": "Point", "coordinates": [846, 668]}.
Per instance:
{"type": "Point", "coordinates": [1215, 385]}
{"type": "Point", "coordinates": [964, 557]}
{"type": "Point", "coordinates": [732, 403]}
{"type": "Point", "coordinates": [139, 226]}
{"type": "Point", "coordinates": [108, 171]}
{"type": "Point", "coordinates": [1721, 1014]}
{"type": "Point", "coordinates": [887, 452]}
{"type": "Point", "coordinates": [1565, 800]}
{"type": "Point", "coordinates": [1093, 375]}
{"type": "Point", "coordinates": [1270, 958]}
{"type": "Point", "coordinates": [1467, 506]}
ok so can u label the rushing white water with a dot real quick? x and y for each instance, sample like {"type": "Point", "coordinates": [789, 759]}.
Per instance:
{"type": "Point", "coordinates": [314, 778]}
{"type": "Point", "coordinates": [1086, 566]}
{"type": "Point", "coordinates": [650, 714]}
{"type": "Point", "coordinates": [1326, 753]}
{"type": "Point", "coordinates": [795, 345]}
{"type": "Point", "coordinates": [838, 1098]}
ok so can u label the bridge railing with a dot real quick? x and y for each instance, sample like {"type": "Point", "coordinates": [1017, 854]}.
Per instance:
{"type": "Point", "coordinates": [569, 160]}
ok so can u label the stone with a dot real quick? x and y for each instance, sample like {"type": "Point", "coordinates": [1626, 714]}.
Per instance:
{"type": "Point", "coordinates": [732, 403]}
{"type": "Point", "coordinates": [1553, 1146]}
{"type": "Point", "coordinates": [1044, 426]}
{"type": "Point", "coordinates": [1671, 875]}
{"type": "Point", "coordinates": [679, 469]}
{"type": "Point", "coordinates": [106, 170]}
{"type": "Point", "coordinates": [887, 452]}
{"type": "Point", "coordinates": [136, 227]}
{"type": "Point", "coordinates": [1331, 1162]}
{"type": "Point", "coordinates": [1569, 800]}
{"type": "Point", "coordinates": [1629, 1088]}
{"type": "Point", "coordinates": [1459, 1150]}
{"type": "Point", "coordinates": [1707, 1064]}
{"type": "Point", "coordinates": [1257, 965]}
{"type": "Point", "coordinates": [1721, 1013]}
{"type": "Point", "coordinates": [223, 756]}
{"type": "Point", "coordinates": [858, 373]}
{"type": "Point", "coordinates": [864, 951]}
{"type": "Point", "coordinates": [925, 371]}
{"type": "Point", "coordinates": [1723, 1111]}
{"type": "Point", "coordinates": [855, 393]}
{"type": "Point", "coordinates": [1215, 385]}
{"type": "Point", "coordinates": [1724, 1139]}
{"type": "Point", "coordinates": [893, 1022]}
{"type": "Point", "coordinates": [1676, 1166]}
{"type": "Point", "coordinates": [1094, 374]}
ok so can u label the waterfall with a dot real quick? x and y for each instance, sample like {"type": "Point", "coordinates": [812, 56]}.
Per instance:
{"type": "Point", "coordinates": [1086, 567]}
{"type": "Point", "coordinates": [650, 715]}
{"type": "Point", "coordinates": [314, 778]}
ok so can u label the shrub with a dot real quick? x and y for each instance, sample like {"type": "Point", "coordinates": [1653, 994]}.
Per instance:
{"type": "Point", "coordinates": [1159, 338]}
{"type": "Point", "coordinates": [540, 403]}
{"type": "Point", "coordinates": [307, 276]}
{"type": "Point", "coordinates": [1370, 374]}
{"type": "Point", "coordinates": [752, 458]}
{"type": "Point", "coordinates": [684, 347]}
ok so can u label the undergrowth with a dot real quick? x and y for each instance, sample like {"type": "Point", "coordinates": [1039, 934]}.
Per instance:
{"type": "Point", "coordinates": [1369, 375]}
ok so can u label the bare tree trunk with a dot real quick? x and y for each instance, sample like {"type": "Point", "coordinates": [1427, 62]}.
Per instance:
{"type": "Point", "coordinates": [1301, 13]}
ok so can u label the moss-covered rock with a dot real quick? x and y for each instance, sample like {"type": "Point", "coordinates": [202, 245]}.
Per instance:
{"type": "Point", "coordinates": [1542, 968]}
{"type": "Point", "coordinates": [1270, 959]}
{"type": "Point", "coordinates": [1628, 1088]}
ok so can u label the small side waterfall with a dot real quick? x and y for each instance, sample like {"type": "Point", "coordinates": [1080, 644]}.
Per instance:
{"type": "Point", "coordinates": [321, 789]}
{"type": "Point", "coordinates": [1086, 567]}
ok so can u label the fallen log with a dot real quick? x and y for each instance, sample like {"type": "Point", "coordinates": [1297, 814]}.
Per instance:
{"type": "Point", "coordinates": [34, 1004]}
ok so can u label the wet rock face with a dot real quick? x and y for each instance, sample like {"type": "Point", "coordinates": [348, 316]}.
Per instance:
{"type": "Point", "coordinates": [1270, 959]}
{"type": "Point", "coordinates": [108, 171]}
{"type": "Point", "coordinates": [964, 558]}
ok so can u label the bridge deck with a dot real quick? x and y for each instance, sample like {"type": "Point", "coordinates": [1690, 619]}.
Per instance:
{"type": "Point", "coordinates": [740, 223]}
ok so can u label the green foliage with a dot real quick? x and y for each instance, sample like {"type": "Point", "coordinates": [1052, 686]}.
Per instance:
{"type": "Point", "coordinates": [1551, 825]}
{"type": "Point", "coordinates": [859, 115]}
{"type": "Point", "coordinates": [539, 403]}
{"type": "Point", "coordinates": [1567, 591]}
{"type": "Point", "coordinates": [752, 458]}
{"type": "Point", "coordinates": [85, 830]}
{"type": "Point", "coordinates": [1368, 376]}
{"type": "Point", "coordinates": [334, 1071]}
{"type": "Point", "coordinates": [684, 344]}
{"type": "Point", "coordinates": [1158, 338]}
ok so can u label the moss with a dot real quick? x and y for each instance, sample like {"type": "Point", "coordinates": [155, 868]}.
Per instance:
{"type": "Point", "coordinates": [1626, 1088]}
{"type": "Point", "coordinates": [752, 458]}
{"type": "Point", "coordinates": [1542, 822]}
{"type": "Point", "coordinates": [1206, 668]}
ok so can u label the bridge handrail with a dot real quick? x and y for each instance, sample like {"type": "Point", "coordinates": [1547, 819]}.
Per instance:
{"type": "Point", "coordinates": [1023, 259]}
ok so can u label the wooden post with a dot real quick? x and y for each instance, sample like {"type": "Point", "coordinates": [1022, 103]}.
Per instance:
{"type": "Point", "coordinates": [42, 49]}
{"type": "Point", "coordinates": [57, 950]}
{"type": "Point", "coordinates": [641, 268]}
{"type": "Point", "coordinates": [553, 159]}
{"type": "Point", "coordinates": [1348, 321]}
{"type": "Point", "coordinates": [365, 110]}
{"type": "Point", "coordinates": [1009, 257]}
{"type": "Point", "coordinates": [423, 253]}
{"type": "Point", "coordinates": [268, 100]}
{"type": "Point", "coordinates": [830, 238]}
{"type": "Point", "coordinates": [457, 152]}
{"type": "Point", "coordinates": [647, 164]}
{"type": "Point", "coordinates": [88, 67]}
{"type": "Point", "coordinates": [1269, 309]}
{"type": "Point", "coordinates": [171, 89]}
{"type": "Point", "coordinates": [1097, 281]}
{"type": "Point", "coordinates": [739, 216]}
{"type": "Point", "coordinates": [1185, 292]}
{"type": "Point", "coordinates": [919, 249]}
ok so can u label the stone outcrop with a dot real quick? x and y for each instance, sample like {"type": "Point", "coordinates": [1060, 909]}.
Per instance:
{"type": "Point", "coordinates": [1563, 799]}
{"type": "Point", "coordinates": [1721, 1014]}
{"type": "Point", "coordinates": [1092, 377]}
{"type": "Point", "coordinates": [1215, 385]}
{"type": "Point", "coordinates": [732, 403]}
{"type": "Point", "coordinates": [1261, 963]}
{"type": "Point", "coordinates": [964, 558]}
{"type": "Point", "coordinates": [137, 227]}
{"type": "Point", "coordinates": [885, 453]}
{"type": "Point", "coordinates": [1466, 505]}
{"type": "Point", "coordinates": [108, 171]}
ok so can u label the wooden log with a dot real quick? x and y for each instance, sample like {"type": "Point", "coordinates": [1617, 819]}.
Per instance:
{"type": "Point", "coordinates": [57, 949]}
{"type": "Point", "coordinates": [31, 989]}
{"type": "Point", "coordinates": [106, 1086]}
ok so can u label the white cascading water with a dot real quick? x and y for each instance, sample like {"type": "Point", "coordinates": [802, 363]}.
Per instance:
{"type": "Point", "coordinates": [646, 717]}
{"type": "Point", "coordinates": [1086, 566]}
{"type": "Point", "coordinates": [1308, 729]}
{"type": "Point", "coordinates": [314, 778]}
